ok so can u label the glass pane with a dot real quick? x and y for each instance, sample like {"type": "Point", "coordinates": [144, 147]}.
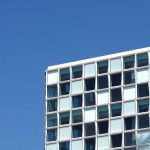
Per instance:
{"type": "Point", "coordinates": [143, 105]}
{"type": "Point", "coordinates": [77, 72]}
{"type": "Point", "coordinates": [77, 101]}
{"type": "Point", "coordinates": [77, 116]}
{"type": "Point", "coordinates": [144, 137]}
{"type": "Point", "coordinates": [77, 145]}
{"type": "Point", "coordinates": [142, 59]}
{"type": "Point", "coordinates": [103, 127]}
{"type": "Point", "coordinates": [102, 67]}
{"type": "Point", "coordinates": [142, 90]}
{"type": "Point", "coordinates": [90, 144]}
{"type": "Point", "coordinates": [116, 95]}
{"type": "Point", "coordinates": [129, 93]}
{"type": "Point", "coordinates": [115, 79]}
{"type": "Point", "coordinates": [89, 70]}
{"type": "Point", "coordinates": [116, 125]}
{"type": "Point", "coordinates": [143, 121]}
{"type": "Point", "coordinates": [103, 143]}
{"type": "Point", "coordinates": [89, 129]}
{"type": "Point", "coordinates": [52, 105]}
{"type": "Point", "coordinates": [129, 77]}
{"type": "Point", "coordinates": [144, 148]}
{"type": "Point", "coordinates": [64, 88]}
{"type": "Point", "coordinates": [129, 123]}
{"type": "Point", "coordinates": [64, 103]}
{"type": "Point", "coordinates": [77, 131]}
{"type": "Point", "coordinates": [89, 114]}
{"type": "Point", "coordinates": [89, 84]}
{"type": "Point", "coordinates": [64, 133]}
{"type": "Point", "coordinates": [77, 87]}
{"type": "Point", "coordinates": [64, 145]}
{"type": "Point", "coordinates": [89, 99]}
{"type": "Point", "coordinates": [51, 91]}
{"type": "Point", "coordinates": [52, 120]}
{"type": "Point", "coordinates": [64, 118]}
{"type": "Point", "coordinates": [52, 77]}
{"type": "Point", "coordinates": [142, 75]}
{"type": "Point", "coordinates": [52, 135]}
{"type": "Point", "coordinates": [103, 97]}
{"type": "Point", "coordinates": [129, 62]}
{"type": "Point", "coordinates": [116, 140]}
{"type": "Point", "coordinates": [51, 147]}
{"type": "Point", "coordinates": [129, 108]}
{"type": "Point", "coordinates": [129, 139]}
{"type": "Point", "coordinates": [115, 65]}
{"type": "Point", "coordinates": [64, 74]}
{"type": "Point", "coordinates": [102, 82]}
{"type": "Point", "coordinates": [116, 109]}
{"type": "Point", "coordinates": [102, 112]}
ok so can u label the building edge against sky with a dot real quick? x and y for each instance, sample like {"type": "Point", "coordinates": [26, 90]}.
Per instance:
{"type": "Point", "coordinates": [95, 102]}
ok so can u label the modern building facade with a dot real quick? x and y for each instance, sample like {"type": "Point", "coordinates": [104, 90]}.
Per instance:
{"type": "Point", "coordinates": [100, 103]}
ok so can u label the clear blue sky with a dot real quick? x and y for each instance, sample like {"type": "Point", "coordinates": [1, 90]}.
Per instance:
{"type": "Point", "coordinates": [38, 33]}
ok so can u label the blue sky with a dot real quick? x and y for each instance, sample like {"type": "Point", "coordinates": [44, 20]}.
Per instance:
{"type": "Point", "coordinates": [36, 34]}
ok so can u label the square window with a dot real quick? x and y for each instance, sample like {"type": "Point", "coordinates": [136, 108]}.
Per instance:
{"type": "Point", "coordinates": [64, 133]}
{"type": "Point", "coordinates": [116, 95]}
{"type": "Point", "coordinates": [77, 131]}
{"type": "Point", "coordinates": [144, 137]}
{"type": "Point", "coordinates": [143, 105]}
{"type": "Point", "coordinates": [90, 144]}
{"type": "Point", "coordinates": [51, 146]}
{"type": "Point", "coordinates": [129, 62]}
{"type": "Point", "coordinates": [102, 67]}
{"type": "Point", "coordinates": [77, 145]}
{"type": "Point", "coordinates": [116, 125]}
{"type": "Point", "coordinates": [77, 87]}
{"type": "Point", "coordinates": [129, 108]}
{"type": "Point", "coordinates": [64, 74]}
{"type": "Point", "coordinates": [115, 65]}
{"type": "Point", "coordinates": [52, 135]}
{"type": "Point", "coordinates": [102, 112]}
{"type": "Point", "coordinates": [64, 118]}
{"type": "Point", "coordinates": [89, 70]}
{"type": "Point", "coordinates": [116, 140]}
{"type": "Point", "coordinates": [77, 101]}
{"type": "Point", "coordinates": [129, 139]}
{"type": "Point", "coordinates": [52, 105]}
{"type": "Point", "coordinates": [102, 82]}
{"type": "Point", "coordinates": [89, 129]}
{"type": "Point", "coordinates": [77, 71]}
{"type": "Point", "coordinates": [65, 88]}
{"type": "Point", "coordinates": [103, 97]}
{"type": "Point", "coordinates": [143, 121]}
{"type": "Point", "coordinates": [133, 148]}
{"type": "Point", "coordinates": [89, 84]}
{"type": "Point", "coordinates": [116, 109]}
{"type": "Point", "coordinates": [89, 99]}
{"type": "Point", "coordinates": [115, 79]}
{"type": "Point", "coordinates": [103, 127]}
{"type": "Point", "coordinates": [52, 77]}
{"type": "Point", "coordinates": [103, 143]}
{"type": "Point", "coordinates": [64, 145]}
{"type": "Point", "coordinates": [142, 59]}
{"type": "Point", "coordinates": [77, 116]}
{"type": "Point", "coordinates": [142, 90]}
{"type": "Point", "coordinates": [144, 147]}
{"type": "Point", "coordinates": [142, 75]}
{"type": "Point", "coordinates": [52, 91]}
{"type": "Point", "coordinates": [129, 77]}
{"type": "Point", "coordinates": [89, 114]}
{"type": "Point", "coordinates": [64, 103]}
{"type": "Point", "coordinates": [129, 123]}
{"type": "Point", "coordinates": [52, 120]}
{"type": "Point", "coordinates": [129, 93]}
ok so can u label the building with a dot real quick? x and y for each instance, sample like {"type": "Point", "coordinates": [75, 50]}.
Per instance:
{"type": "Point", "coordinates": [100, 103]}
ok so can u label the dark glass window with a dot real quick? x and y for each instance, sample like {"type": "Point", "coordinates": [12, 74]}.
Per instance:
{"type": "Point", "coordinates": [77, 101]}
{"type": "Point", "coordinates": [133, 148]}
{"type": "Point", "coordinates": [77, 72]}
{"type": "Point", "coordinates": [52, 120]}
{"type": "Point", "coordinates": [116, 109]}
{"type": "Point", "coordinates": [129, 62]}
{"type": "Point", "coordinates": [52, 91]}
{"type": "Point", "coordinates": [129, 77]}
{"type": "Point", "coordinates": [77, 116]}
{"type": "Point", "coordinates": [116, 79]}
{"type": "Point", "coordinates": [89, 99]}
{"type": "Point", "coordinates": [142, 59]}
{"type": "Point", "coordinates": [129, 123]}
{"type": "Point", "coordinates": [89, 84]}
{"type": "Point", "coordinates": [129, 139]}
{"type": "Point", "coordinates": [64, 88]}
{"type": "Point", "coordinates": [143, 105]}
{"type": "Point", "coordinates": [52, 105]}
{"type": "Point", "coordinates": [89, 129]}
{"type": "Point", "coordinates": [116, 140]}
{"type": "Point", "coordinates": [102, 112]}
{"type": "Point", "coordinates": [52, 135]}
{"type": "Point", "coordinates": [116, 95]}
{"type": "Point", "coordinates": [64, 118]}
{"type": "Point", "coordinates": [64, 145]}
{"type": "Point", "coordinates": [103, 127]}
{"type": "Point", "coordinates": [143, 90]}
{"type": "Point", "coordinates": [64, 74]}
{"type": "Point", "coordinates": [102, 67]}
{"type": "Point", "coordinates": [77, 131]}
{"type": "Point", "coordinates": [90, 144]}
{"type": "Point", "coordinates": [102, 82]}
{"type": "Point", "coordinates": [143, 121]}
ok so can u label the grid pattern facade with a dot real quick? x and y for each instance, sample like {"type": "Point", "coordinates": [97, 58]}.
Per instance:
{"type": "Point", "coordinates": [100, 104]}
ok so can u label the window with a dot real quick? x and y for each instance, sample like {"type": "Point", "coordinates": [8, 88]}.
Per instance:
{"type": "Point", "coordinates": [77, 87]}
{"type": "Point", "coordinates": [143, 105]}
{"type": "Point", "coordinates": [52, 135]}
{"type": "Point", "coordinates": [77, 131]}
{"type": "Point", "coordinates": [115, 65]}
{"type": "Point", "coordinates": [103, 127]}
{"type": "Point", "coordinates": [89, 84]}
{"type": "Point", "coordinates": [77, 72]}
{"type": "Point", "coordinates": [144, 137]}
{"type": "Point", "coordinates": [129, 139]}
{"type": "Point", "coordinates": [52, 77]}
{"type": "Point", "coordinates": [51, 147]}
{"type": "Point", "coordinates": [77, 116]}
{"type": "Point", "coordinates": [90, 144]}
{"type": "Point", "coordinates": [116, 140]}
{"type": "Point", "coordinates": [64, 88]}
{"type": "Point", "coordinates": [89, 114]}
{"type": "Point", "coordinates": [64, 103]}
{"type": "Point", "coordinates": [64, 145]}
{"type": "Point", "coordinates": [102, 67]}
{"type": "Point", "coordinates": [142, 59]}
{"type": "Point", "coordinates": [115, 79]}
{"type": "Point", "coordinates": [77, 101]}
{"type": "Point", "coordinates": [52, 120]}
{"type": "Point", "coordinates": [64, 118]}
{"type": "Point", "coordinates": [102, 112]}
{"type": "Point", "coordinates": [116, 109]}
{"type": "Point", "coordinates": [116, 95]}
{"type": "Point", "coordinates": [103, 143]}
{"type": "Point", "coordinates": [103, 97]}
{"type": "Point", "coordinates": [129, 108]}
{"type": "Point", "coordinates": [143, 121]}
{"type": "Point", "coordinates": [142, 90]}
{"type": "Point", "coordinates": [89, 129]}
{"type": "Point", "coordinates": [52, 105]}
{"type": "Point", "coordinates": [77, 145]}
{"type": "Point", "coordinates": [64, 133]}
{"type": "Point", "coordinates": [89, 70]}
{"type": "Point", "coordinates": [142, 75]}
{"type": "Point", "coordinates": [129, 123]}
{"type": "Point", "coordinates": [129, 77]}
{"type": "Point", "coordinates": [116, 125]}
{"type": "Point", "coordinates": [102, 82]}
{"type": "Point", "coordinates": [144, 147]}
{"type": "Point", "coordinates": [129, 62]}
{"type": "Point", "coordinates": [89, 99]}
{"type": "Point", "coordinates": [64, 74]}
{"type": "Point", "coordinates": [129, 93]}
{"type": "Point", "coordinates": [51, 91]}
